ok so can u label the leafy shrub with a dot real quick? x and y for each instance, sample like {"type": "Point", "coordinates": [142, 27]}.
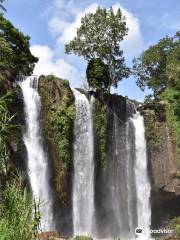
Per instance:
{"type": "Point", "coordinates": [172, 96]}
{"type": "Point", "coordinates": [6, 128]}
{"type": "Point", "coordinates": [19, 217]}
{"type": "Point", "coordinates": [98, 74]}
{"type": "Point", "coordinates": [175, 224]}
{"type": "Point", "coordinates": [153, 131]}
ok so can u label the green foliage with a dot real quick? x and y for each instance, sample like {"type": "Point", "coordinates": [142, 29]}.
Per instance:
{"type": "Point", "coordinates": [172, 97]}
{"type": "Point", "coordinates": [15, 55]}
{"type": "Point", "coordinates": [155, 67]}
{"type": "Point", "coordinates": [97, 74]}
{"type": "Point", "coordinates": [5, 54]}
{"type": "Point", "coordinates": [6, 129]}
{"type": "Point", "coordinates": [100, 119]}
{"type": "Point", "coordinates": [83, 238]}
{"type": "Point", "coordinates": [99, 36]}
{"type": "Point", "coordinates": [58, 127]}
{"type": "Point", "coordinates": [159, 69]}
{"type": "Point", "coordinates": [173, 64]}
{"type": "Point", "coordinates": [19, 217]}
{"type": "Point", "coordinates": [59, 122]}
{"type": "Point", "coordinates": [153, 131]}
{"type": "Point", "coordinates": [175, 224]}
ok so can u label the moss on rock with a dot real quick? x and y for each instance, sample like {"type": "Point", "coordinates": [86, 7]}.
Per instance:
{"type": "Point", "coordinates": [152, 129]}
{"type": "Point", "coordinates": [58, 115]}
{"type": "Point", "coordinates": [100, 120]}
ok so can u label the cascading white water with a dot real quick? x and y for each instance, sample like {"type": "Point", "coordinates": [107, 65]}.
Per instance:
{"type": "Point", "coordinates": [143, 186]}
{"type": "Point", "coordinates": [125, 201]}
{"type": "Point", "coordinates": [83, 183]}
{"type": "Point", "coordinates": [37, 159]}
{"type": "Point", "coordinates": [122, 194]}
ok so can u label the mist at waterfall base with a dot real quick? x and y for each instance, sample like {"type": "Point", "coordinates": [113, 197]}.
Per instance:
{"type": "Point", "coordinates": [108, 202]}
{"type": "Point", "coordinates": [37, 158]}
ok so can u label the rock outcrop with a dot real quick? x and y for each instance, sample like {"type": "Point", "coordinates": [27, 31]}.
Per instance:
{"type": "Point", "coordinates": [58, 113]}
{"type": "Point", "coordinates": [164, 164]}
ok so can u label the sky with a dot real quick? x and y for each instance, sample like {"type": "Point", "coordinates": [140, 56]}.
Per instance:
{"type": "Point", "coordinates": [53, 23]}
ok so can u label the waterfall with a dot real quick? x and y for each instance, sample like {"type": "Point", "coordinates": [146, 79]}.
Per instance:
{"type": "Point", "coordinates": [141, 177]}
{"type": "Point", "coordinates": [121, 202]}
{"type": "Point", "coordinates": [131, 189]}
{"type": "Point", "coordinates": [37, 159]}
{"type": "Point", "coordinates": [83, 182]}
{"type": "Point", "coordinates": [123, 192]}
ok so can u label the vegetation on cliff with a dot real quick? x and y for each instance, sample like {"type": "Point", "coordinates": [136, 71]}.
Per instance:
{"type": "Point", "coordinates": [153, 131]}
{"type": "Point", "coordinates": [58, 116]}
{"type": "Point", "coordinates": [175, 224]}
{"type": "Point", "coordinates": [97, 74]}
{"type": "Point", "coordinates": [172, 97]}
{"type": "Point", "coordinates": [100, 120]}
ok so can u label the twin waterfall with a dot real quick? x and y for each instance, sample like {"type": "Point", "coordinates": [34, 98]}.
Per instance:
{"type": "Point", "coordinates": [123, 201]}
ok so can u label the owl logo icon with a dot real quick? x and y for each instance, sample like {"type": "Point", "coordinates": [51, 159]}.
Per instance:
{"type": "Point", "coordinates": [138, 231]}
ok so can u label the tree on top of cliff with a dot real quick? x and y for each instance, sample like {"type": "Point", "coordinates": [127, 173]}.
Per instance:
{"type": "Point", "coordinates": [98, 40]}
{"type": "Point", "coordinates": [97, 74]}
{"type": "Point", "coordinates": [15, 54]}
{"type": "Point", "coordinates": [159, 66]}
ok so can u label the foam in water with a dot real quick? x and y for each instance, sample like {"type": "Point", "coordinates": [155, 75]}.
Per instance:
{"type": "Point", "coordinates": [37, 159]}
{"type": "Point", "coordinates": [83, 182]}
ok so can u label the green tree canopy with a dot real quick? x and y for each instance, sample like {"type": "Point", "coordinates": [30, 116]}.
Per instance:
{"type": "Point", "coordinates": [99, 36]}
{"type": "Point", "coordinates": [173, 63]}
{"type": "Point", "coordinates": [158, 67]}
{"type": "Point", "coordinates": [15, 55]}
{"type": "Point", "coordinates": [97, 74]}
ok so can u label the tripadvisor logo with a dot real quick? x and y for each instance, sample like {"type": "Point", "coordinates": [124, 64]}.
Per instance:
{"type": "Point", "coordinates": [138, 231]}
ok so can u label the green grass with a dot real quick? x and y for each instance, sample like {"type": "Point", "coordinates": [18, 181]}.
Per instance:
{"type": "Point", "coordinates": [19, 216]}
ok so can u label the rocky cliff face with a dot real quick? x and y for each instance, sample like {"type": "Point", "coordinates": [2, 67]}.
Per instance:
{"type": "Point", "coordinates": [58, 113]}
{"type": "Point", "coordinates": [164, 164]}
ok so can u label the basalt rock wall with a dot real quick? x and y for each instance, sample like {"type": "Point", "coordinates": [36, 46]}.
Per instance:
{"type": "Point", "coordinates": [164, 164]}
